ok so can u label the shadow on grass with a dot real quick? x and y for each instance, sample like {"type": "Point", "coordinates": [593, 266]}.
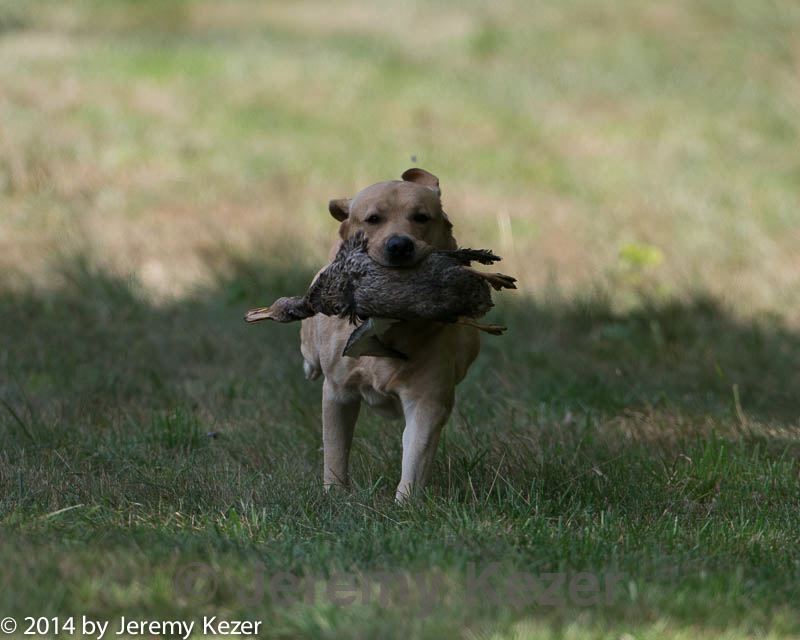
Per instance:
{"type": "Point", "coordinates": [91, 366]}
{"type": "Point", "coordinates": [108, 401]}
{"type": "Point", "coordinates": [94, 341]}
{"type": "Point", "coordinates": [690, 356]}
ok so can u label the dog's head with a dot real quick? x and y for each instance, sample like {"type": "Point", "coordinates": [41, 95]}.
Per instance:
{"type": "Point", "coordinates": [402, 219]}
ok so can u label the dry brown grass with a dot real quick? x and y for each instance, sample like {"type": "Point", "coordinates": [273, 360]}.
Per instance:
{"type": "Point", "coordinates": [560, 134]}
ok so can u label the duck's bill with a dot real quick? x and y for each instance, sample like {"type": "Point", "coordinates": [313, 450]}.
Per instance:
{"type": "Point", "coordinates": [257, 315]}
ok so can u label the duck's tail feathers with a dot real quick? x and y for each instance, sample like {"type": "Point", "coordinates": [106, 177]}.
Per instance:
{"type": "Point", "coordinates": [483, 256]}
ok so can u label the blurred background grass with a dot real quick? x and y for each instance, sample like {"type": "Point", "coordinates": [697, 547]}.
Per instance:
{"type": "Point", "coordinates": [166, 165]}
{"type": "Point", "coordinates": [149, 132]}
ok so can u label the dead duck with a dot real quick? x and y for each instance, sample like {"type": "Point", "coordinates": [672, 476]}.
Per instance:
{"type": "Point", "coordinates": [442, 287]}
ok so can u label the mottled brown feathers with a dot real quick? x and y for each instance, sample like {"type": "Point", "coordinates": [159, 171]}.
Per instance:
{"type": "Point", "coordinates": [442, 287]}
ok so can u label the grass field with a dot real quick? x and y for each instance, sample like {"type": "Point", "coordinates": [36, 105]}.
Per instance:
{"type": "Point", "coordinates": [166, 165]}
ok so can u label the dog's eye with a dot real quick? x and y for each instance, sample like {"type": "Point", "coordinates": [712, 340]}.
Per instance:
{"type": "Point", "coordinates": [420, 217]}
{"type": "Point", "coordinates": [372, 218]}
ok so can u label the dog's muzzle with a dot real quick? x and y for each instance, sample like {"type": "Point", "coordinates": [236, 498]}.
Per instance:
{"type": "Point", "coordinates": [399, 250]}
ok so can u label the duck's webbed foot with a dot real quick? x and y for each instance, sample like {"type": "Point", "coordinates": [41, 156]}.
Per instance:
{"type": "Point", "coordinates": [497, 280]}
{"type": "Point", "coordinates": [493, 329]}
{"type": "Point", "coordinates": [467, 256]}
{"type": "Point", "coordinates": [350, 314]}
{"type": "Point", "coordinates": [348, 310]}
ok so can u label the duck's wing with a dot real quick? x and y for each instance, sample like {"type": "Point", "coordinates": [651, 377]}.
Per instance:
{"type": "Point", "coordinates": [333, 291]}
{"type": "Point", "coordinates": [468, 256]}
{"type": "Point", "coordinates": [328, 294]}
{"type": "Point", "coordinates": [365, 340]}
{"type": "Point", "coordinates": [347, 302]}
{"type": "Point", "coordinates": [316, 290]}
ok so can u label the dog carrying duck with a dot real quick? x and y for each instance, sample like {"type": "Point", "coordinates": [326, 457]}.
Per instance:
{"type": "Point", "coordinates": [441, 287]}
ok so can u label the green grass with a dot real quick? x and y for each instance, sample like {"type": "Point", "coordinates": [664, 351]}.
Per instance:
{"type": "Point", "coordinates": [164, 167]}
{"type": "Point", "coordinates": [601, 442]}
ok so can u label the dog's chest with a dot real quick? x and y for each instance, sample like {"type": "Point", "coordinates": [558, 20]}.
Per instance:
{"type": "Point", "coordinates": [384, 404]}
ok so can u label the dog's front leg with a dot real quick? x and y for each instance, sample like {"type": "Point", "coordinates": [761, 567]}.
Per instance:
{"type": "Point", "coordinates": [425, 418]}
{"type": "Point", "coordinates": [339, 415]}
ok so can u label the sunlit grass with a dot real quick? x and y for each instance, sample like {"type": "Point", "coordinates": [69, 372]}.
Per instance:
{"type": "Point", "coordinates": [589, 128]}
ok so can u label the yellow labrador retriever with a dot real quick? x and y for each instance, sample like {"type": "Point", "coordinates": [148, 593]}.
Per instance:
{"type": "Point", "coordinates": [401, 218]}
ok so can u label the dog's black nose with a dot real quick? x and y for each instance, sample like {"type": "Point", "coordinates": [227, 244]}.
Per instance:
{"type": "Point", "coordinates": [399, 248]}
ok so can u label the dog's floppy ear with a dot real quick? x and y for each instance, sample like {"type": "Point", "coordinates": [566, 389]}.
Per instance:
{"type": "Point", "coordinates": [420, 176]}
{"type": "Point", "coordinates": [447, 222]}
{"type": "Point", "coordinates": [340, 209]}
